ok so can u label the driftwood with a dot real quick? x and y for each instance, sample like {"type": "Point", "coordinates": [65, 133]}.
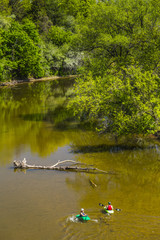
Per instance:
{"type": "Point", "coordinates": [23, 165]}
{"type": "Point", "coordinates": [92, 183]}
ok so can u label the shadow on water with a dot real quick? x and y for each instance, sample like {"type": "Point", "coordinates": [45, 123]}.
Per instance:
{"type": "Point", "coordinates": [33, 117]}
{"type": "Point", "coordinates": [62, 120]}
{"type": "Point", "coordinates": [107, 148]}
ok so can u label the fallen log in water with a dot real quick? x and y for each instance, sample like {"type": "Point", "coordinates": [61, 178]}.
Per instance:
{"type": "Point", "coordinates": [92, 183]}
{"type": "Point", "coordinates": [23, 165]}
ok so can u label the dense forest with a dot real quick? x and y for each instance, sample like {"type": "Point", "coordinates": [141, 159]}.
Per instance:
{"type": "Point", "coordinates": [39, 37]}
{"type": "Point", "coordinates": [114, 45]}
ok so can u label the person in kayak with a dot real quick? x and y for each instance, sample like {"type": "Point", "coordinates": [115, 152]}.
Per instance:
{"type": "Point", "coordinates": [82, 213]}
{"type": "Point", "coordinates": [109, 206]}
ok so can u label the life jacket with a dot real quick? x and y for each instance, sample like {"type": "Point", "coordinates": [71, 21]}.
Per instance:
{"type": "Point", "coordinates": [83, 214]}
{"type": "Point", "coordinates": [109, 207]}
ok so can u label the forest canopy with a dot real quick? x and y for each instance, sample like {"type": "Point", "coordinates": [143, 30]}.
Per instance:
{"type": "Point", "coordinates": [114, 45]}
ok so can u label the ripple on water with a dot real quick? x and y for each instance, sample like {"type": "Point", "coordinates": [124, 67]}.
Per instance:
{"type": "Point", "coordinates": [114, 227]}
{"type": "Point", "coordinates": [72, 219]}
{"type": "Point", "coordinates": [76, 220]}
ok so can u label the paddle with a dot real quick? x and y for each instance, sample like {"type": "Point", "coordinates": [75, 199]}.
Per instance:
{"type": "Point", "coordinates": [102, 205]}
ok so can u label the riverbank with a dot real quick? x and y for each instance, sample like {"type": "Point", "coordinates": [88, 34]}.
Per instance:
{"type": "Point", "coordinates": [15, 82]}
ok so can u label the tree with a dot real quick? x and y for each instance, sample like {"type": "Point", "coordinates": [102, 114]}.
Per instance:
{"type": "Point", "coordinates": [22, 54]}
{"type": "Point", "coordinates": [76, 7]}
{"type": "Point", "coordinates": [4, 8]}
{"type": "Point", "coordinates": [20, 8]}
{"type": "Point", "coordinates": [58, 36]}
{"type": "Point", "coordinates": [123, 103]}
{"type": "Point", "coordinates": [55, 13]}
{"type": "Point", "coordinates": [120, 43]}
{"type": "Point", "coordinates": [118, 33]}
{"type": "Point", "coordinates": [39, 16]}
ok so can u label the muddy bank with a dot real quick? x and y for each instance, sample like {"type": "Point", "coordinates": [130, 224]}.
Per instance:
{"type": "Point", "coordinates": [14, 82]}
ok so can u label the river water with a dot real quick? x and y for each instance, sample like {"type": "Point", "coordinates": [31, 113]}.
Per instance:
{"type": "Point", "coordinates": [42, 204]}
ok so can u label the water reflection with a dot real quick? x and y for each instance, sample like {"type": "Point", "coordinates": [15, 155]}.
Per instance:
{"type": "Point", "coordinates": [34, 121]}
{"type": "Point", "coordinates": [23, 111]}
{"type": "Point", "coordinates": [34, 116]}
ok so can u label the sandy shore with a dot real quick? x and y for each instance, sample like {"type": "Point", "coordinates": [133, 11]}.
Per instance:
{"type": "Point", "coordinates": [14, 82]}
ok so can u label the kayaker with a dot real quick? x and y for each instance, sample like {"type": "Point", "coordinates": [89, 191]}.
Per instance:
{"type": "Point", "coordinates": [83, 213]}
{"type": "Point", "coordinates": [109, 206]}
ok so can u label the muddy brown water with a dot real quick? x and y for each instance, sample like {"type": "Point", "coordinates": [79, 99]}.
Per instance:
{"type": "Point", "coordinates": [41, 204]}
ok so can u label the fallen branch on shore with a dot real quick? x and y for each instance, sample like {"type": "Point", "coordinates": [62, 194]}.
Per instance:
{"type": "Point", "coordinates": [23, 165]}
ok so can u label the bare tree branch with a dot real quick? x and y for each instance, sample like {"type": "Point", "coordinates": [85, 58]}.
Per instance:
{"type": "Point", "coordinates": [23, 165]}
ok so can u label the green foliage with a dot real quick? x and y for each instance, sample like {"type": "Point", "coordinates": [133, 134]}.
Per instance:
{"type": "Point", "coordinates": [55, 13]}
{"type": "Point", "coordinates": [76, 7]}
{"type": "Point", "coordinates": [22, 52]}
{"type": "Point", "coordinates": [58, 36]}
{"type": "Point", "coordinates": [30, 28]}
{"type": "Point", "coordinates": [20, 8]}
{"type": "Point", "coordinates": [115, 37]}
{"type": "Point", "coordinates": [116, 40]}
{"type": "Point", "coordinates": [58, 60]}
{"type": "Point", "coordinates": [39, 15]}
{"type": "Point", "coordinates": [22, 55]}
{"type": "Point", "coordinates": [118, 33]}
{"type": "Point", "coordinates": [125, 103]}
{"type": "Point", "coordinates": [4, 7]}
{"type": "Point", "coordinates": [5, 21]}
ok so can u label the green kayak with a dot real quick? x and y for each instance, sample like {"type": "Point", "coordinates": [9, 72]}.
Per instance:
{"type": "Point", "coordinates": [108, 211]}
{"type": "Point", "coordinates": [83, 218]}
